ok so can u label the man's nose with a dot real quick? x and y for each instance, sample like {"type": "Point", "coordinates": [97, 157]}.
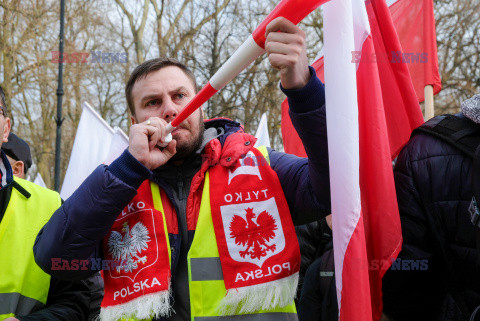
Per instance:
{"type": "Point", "coordinates": [169, 111]}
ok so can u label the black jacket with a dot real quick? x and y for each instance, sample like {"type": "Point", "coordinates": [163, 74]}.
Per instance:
{"type": "Point", "coordinates": [433, 185]}
{"type": "Point", "coordinates": [316, 295]}
{"type": "Point", "coordinates": [312, 239]}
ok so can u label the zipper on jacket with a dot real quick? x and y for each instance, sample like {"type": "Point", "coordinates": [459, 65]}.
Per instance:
{"type": "Point", "coordinates": [180, 186]}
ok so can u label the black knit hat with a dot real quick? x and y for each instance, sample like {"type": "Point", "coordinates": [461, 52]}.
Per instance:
{"type": "Point", "coordinates": [18, 149]}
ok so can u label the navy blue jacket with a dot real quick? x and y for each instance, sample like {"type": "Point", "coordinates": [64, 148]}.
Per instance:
{"type": "Point", "coordinates": [76, 229]}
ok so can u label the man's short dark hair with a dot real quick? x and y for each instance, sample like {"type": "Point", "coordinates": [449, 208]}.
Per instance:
{"type": "Point", "coordinates": [142, 70]}
{"type": "Point", "coordinates": [3, 101]}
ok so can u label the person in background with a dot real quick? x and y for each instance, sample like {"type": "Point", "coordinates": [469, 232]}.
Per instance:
{"type": "Point", "coordinates": [26, 292]}
{"type": "Point", "coordinates": [436, 276]}
{"type": "Point", "coordinates": [317, 300]}
{"type": "Point", "coordinates": [18, 154]}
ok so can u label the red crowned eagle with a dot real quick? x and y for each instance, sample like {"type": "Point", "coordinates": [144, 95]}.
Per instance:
{"type": "Point", "coordinates": [253, 234]}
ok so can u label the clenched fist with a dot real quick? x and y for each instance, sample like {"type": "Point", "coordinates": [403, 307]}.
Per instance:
{"type": "Point", "coordinates": [143, 140]}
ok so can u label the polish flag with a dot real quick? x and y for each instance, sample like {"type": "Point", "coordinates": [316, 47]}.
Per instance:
{"type": "Point", "coordinates": [415, 25]}
{"type": "Point", "coordinates": [371, 111]}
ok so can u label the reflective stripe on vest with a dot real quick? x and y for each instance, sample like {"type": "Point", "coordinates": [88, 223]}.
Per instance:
{"type": "Point", "coordinates": [22, 305]}
{"type": "Point", "coordinates": [24, 286]}
{"type": "Point", "coordinates": [158, 205]}
{"type": "Point", "coordinates": [205, 275]}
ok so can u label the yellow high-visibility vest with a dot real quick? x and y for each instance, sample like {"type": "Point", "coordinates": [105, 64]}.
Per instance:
{"type": "Point", "coordinates": [23, 285]}
{"type": "Point", "coordinates": [205, 277]}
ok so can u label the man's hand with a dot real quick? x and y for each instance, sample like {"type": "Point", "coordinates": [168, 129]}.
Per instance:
{"type": "Point", "coordinates": [286, 50]}
{"type": "Point", "coordinates": [143, 141]}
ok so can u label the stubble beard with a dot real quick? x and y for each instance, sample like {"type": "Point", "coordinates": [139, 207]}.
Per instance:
{"type": "Point", "coordinates": [187, 149]}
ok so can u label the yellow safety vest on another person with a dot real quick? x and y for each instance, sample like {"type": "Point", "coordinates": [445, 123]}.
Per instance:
{"type": "Point", "coordinates": [23, 285]}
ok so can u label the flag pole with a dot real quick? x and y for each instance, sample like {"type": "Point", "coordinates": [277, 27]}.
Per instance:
{"type": "Point", "coordinates": [429, 111]}
{"type": "Point", "coordinates": [59, 120]}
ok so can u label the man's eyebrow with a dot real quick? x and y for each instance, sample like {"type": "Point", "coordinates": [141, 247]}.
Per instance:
{"type": "Point", "coordinates": [152, 96]}
{"type": "Point", "coordinates": [176, 90]}
{"type": "Point", "coordinates": [157, 96]}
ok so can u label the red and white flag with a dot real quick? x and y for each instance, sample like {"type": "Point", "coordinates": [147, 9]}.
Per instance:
{"type": "Point", "coordinates": [415, 25]}
{"type": "Point", "coordinates": [371, 111]}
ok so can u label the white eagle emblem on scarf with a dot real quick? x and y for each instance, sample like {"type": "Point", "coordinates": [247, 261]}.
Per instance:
{"type": "Point", "coordinates": [126, 249]}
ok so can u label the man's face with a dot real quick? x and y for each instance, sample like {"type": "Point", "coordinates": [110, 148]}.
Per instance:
{"type": "Point", "coordinates": [164, 93]}
{"type": "Point", "coordinates": [4, 126]}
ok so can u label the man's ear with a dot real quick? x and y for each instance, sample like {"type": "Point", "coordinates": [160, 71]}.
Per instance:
{"type": "Point", "coordinates": [133, 120]}
{"type": "Point", "coordinates": [6, 130]}
{"type": "Point", "coordinates": [18, 168]}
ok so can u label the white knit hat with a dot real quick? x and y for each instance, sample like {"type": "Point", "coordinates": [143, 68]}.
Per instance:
{"type": "Point", "coordinates": [471, 108]}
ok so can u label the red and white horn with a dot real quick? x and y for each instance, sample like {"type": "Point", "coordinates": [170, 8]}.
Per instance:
{"type": "Point", "coordinates": [251, 49]}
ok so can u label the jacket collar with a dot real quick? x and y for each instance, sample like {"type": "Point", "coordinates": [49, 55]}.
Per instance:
{"type": "Point", "coordinates": [226, 154]}
{"type": "Point", "coordinates": [227, 125]}
{"type": "Point", "coordinates": [6, 173]}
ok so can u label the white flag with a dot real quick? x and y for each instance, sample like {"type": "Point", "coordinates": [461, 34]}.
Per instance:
{"type": "Point", "coordinates": [90, 149]}
{"type": "Point", "coordinates": [263, 139]}
{"type": "Point", "coordinates": [118, 145]}
{"type": "Point", "coordinates": [39, 180]}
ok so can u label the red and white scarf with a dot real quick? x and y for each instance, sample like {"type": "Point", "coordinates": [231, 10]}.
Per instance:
{"type": "Point", "coordinates": [256, 240]}
{"type": "Point", "coordinates": [137, 278]}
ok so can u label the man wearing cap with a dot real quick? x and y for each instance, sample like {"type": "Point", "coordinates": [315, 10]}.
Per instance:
{"type": "Point", "coordinates": [26, 292]}
{"type": "Point", "coordinates": [18, 155]}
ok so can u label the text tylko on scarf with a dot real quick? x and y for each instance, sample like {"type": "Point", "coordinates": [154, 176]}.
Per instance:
{"type": "Point", "coordinates": [245, 196]}
{"type": "Point", "coordinates": [252, 223]}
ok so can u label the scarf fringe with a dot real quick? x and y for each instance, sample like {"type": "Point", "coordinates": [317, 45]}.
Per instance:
{"type": "Point", "coordinates": [145, 307]}
{"type": "Point", "coordinates": [266, 296]}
